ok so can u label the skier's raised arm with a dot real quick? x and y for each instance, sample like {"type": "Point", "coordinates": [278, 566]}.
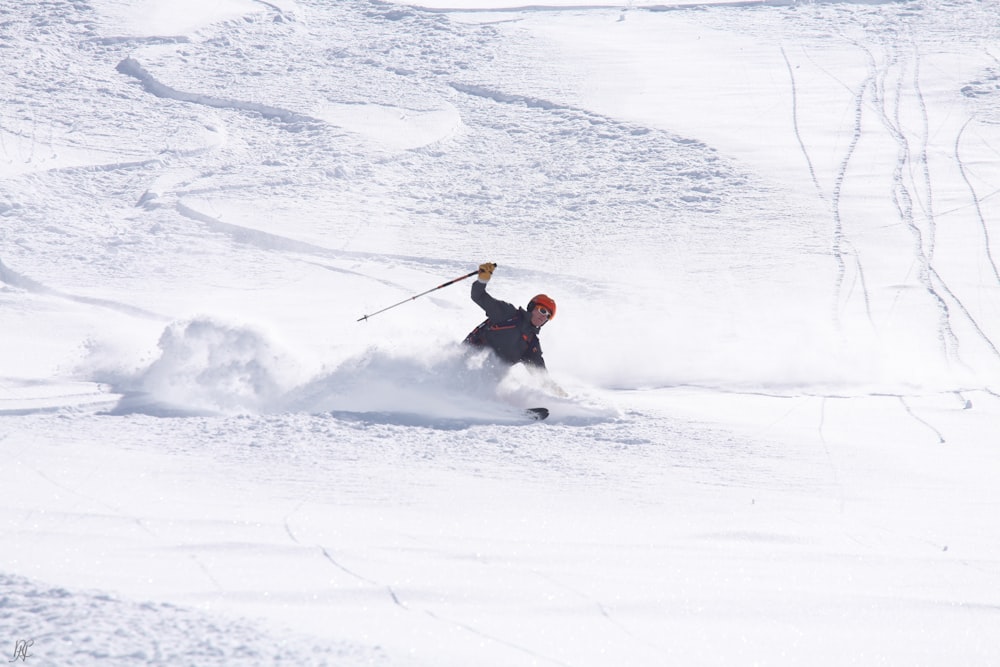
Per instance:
{"type": "Point", "coordinates": [511, 332]}
{"type": "Point", "coordinates": [496, 310]}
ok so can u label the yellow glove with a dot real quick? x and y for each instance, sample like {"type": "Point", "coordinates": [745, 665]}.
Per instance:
{"type": "Point", "coordinates": [486, 271]}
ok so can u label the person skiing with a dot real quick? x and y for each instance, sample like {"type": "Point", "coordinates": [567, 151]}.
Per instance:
{"type": "Point", "coordinates": [510, 331]}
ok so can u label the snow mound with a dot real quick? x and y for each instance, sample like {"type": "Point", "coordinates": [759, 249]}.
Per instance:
{"type": "Point", "coordinates": [60, 627]}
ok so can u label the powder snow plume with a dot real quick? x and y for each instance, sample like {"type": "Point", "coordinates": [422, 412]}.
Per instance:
{"type": "Point", "coordinates": [207, 367]}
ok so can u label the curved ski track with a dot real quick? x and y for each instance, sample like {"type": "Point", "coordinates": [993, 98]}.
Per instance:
{"type": "Point", "coordinates": [911, 173]}
{"type": "Point", "coordinates": [840, 245]}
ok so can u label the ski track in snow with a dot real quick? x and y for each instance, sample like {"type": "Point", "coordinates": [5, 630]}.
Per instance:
{"type": "Point", "coordinates": [680, 176]}
{"type": "Point", "coordinates": [911, 174]}
{"type": "Point", "coordinates": [133, 68]}
{"type": "Point", "coordinates": [902, 197]}
{"type": "Point", "coordinates": [975, 201]}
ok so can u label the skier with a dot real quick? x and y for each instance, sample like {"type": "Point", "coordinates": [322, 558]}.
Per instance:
{"type": "Point", "coordinates": [511, 332]}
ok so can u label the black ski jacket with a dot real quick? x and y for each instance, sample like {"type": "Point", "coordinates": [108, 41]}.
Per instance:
{"type": "Point", "coordinates": [508, 330]}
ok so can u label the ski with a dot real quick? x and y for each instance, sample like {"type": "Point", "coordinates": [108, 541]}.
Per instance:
{"type": "Point", "coordinates": [537, 413]}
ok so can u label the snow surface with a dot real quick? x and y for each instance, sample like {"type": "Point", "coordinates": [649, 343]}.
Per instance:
{"type": "Point", "coordinates": [771, 232]}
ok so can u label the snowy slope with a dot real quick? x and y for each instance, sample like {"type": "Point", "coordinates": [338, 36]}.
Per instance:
{"type": "Point", "coordinates": [770, 232]}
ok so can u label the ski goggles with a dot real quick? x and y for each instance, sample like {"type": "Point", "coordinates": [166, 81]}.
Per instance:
{"type": "Point", "coordinates": [542, 310]}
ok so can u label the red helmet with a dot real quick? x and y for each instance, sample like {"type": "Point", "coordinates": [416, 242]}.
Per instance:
{"type": "Point", "coordinates": [545, 301]}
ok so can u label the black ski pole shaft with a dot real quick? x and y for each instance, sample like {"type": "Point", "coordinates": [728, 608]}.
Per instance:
{"type": "Point", "coordinates": [417, 296]}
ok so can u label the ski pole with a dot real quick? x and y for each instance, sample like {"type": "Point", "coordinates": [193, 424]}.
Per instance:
{"type": "Point", "coordinates": [417, 296]}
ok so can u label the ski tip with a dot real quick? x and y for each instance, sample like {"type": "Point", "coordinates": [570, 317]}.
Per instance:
{"type": "Point", "coordinates": [537, 413]}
